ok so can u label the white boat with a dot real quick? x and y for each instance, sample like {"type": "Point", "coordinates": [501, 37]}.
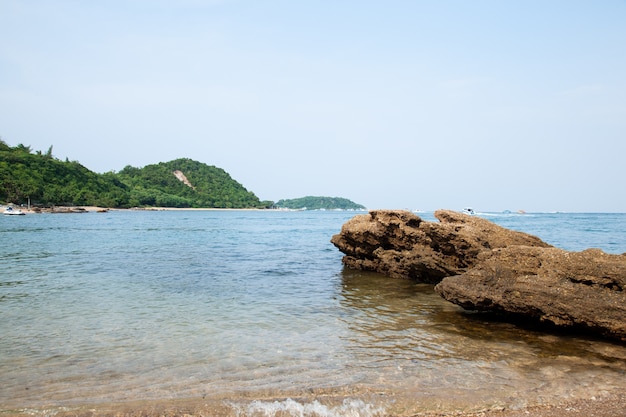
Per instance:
{"type": "Point", "coordinates": [470, 211]}
{"type": "Point", "coordinates": [10, 211]}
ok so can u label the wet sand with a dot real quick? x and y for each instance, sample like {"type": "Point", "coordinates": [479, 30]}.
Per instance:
{"type": "Point", "coordinates": [612, 405]}
{"type": "Point", "coordinates": [608, 406]}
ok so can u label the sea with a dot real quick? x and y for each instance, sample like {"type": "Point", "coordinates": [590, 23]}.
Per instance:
{"type": "Point", "coordinates": [251, 313]}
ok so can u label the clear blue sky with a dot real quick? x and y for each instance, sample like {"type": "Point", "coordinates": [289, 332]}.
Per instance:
{"type": "Point", "coordinates": [393, 104]}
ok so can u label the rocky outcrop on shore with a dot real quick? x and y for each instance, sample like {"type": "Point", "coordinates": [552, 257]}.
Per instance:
{"type": "Point", "coordinates": [571, 289]}
{"type": "Point", "coordinates": [402, 245]}
{"type": "Point", "coordinates": [69, 209]}
{"type": "Point", "coordinates": [482, 266]}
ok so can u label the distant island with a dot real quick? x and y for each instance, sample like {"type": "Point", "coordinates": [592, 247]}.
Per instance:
{"type": "Point", "coordinates": [41, 180]}
{"type": "Point", "coordinates": [319, 203]}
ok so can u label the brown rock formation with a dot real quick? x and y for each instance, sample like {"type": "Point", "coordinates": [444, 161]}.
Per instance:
{"type": "Point", "coordinates": [402, 245]}
{"type": "Point", "coordinates": [581, 289]}
{"type": "Point", "coordinates": [481, 266]}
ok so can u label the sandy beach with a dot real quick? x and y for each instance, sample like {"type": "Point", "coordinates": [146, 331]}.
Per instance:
{"type": "Point", "coordinates": [607, 406]}
{"type": "Point", "coordinates": [610, 405]}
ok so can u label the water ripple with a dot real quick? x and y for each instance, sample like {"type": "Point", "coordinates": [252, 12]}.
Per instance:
{"type": "Point", "coordinates": [170, 304]}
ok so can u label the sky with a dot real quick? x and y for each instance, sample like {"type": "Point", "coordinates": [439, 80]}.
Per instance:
{"type": "Point", "coordinates": [398, 104]}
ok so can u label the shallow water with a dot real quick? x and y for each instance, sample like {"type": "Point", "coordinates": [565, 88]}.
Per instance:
{"type": "Point", "coordinates": [249, 307]}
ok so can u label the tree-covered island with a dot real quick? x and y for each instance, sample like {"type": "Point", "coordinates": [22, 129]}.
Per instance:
{"type": "Point", "coordinates": [319, 203]}
{"type": "Point", "coordinates": [44, 181]}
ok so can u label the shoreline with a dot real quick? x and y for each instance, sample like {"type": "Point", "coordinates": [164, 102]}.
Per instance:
{"type": "Point", "coordinates": [608, 405]}
{"type": "Point", "coordinates": [97, 209]}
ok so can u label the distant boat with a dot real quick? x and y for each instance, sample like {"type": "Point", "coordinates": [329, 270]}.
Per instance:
{"type": "Point", "coordinates": [10, 211]}
{"type": "Point", "coordinates": [469, 211]}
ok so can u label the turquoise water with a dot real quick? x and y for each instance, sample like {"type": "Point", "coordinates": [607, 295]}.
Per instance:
{"type": "Point", "coordinates": [242, 306]}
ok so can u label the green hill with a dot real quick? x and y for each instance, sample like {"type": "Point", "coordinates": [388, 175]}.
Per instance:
{"type": "Point", "coordinates": [319, 203]}
{"type": "Point", "coordinates": [186, 183]}
{"type": "Point", "coordinates": [47, 181]}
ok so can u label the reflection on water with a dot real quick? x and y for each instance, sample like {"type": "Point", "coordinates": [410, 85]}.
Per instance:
{"type": "Point", "coordinates": [425, 347]}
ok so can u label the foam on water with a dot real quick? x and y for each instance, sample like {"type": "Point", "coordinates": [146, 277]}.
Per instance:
{"type": "Point", "coordinates": [292, 408]}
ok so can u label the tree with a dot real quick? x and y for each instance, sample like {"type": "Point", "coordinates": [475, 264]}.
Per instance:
{"type": "Point", "coordinates": [49, 181]}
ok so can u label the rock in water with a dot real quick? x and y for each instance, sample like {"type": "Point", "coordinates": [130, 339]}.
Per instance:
{"type": "Point", "coordinates": [570, 289]}
{"type": "Point", "coordinates": [482, 266]}
{"type": "Point", "coordinates": [402, 245]}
